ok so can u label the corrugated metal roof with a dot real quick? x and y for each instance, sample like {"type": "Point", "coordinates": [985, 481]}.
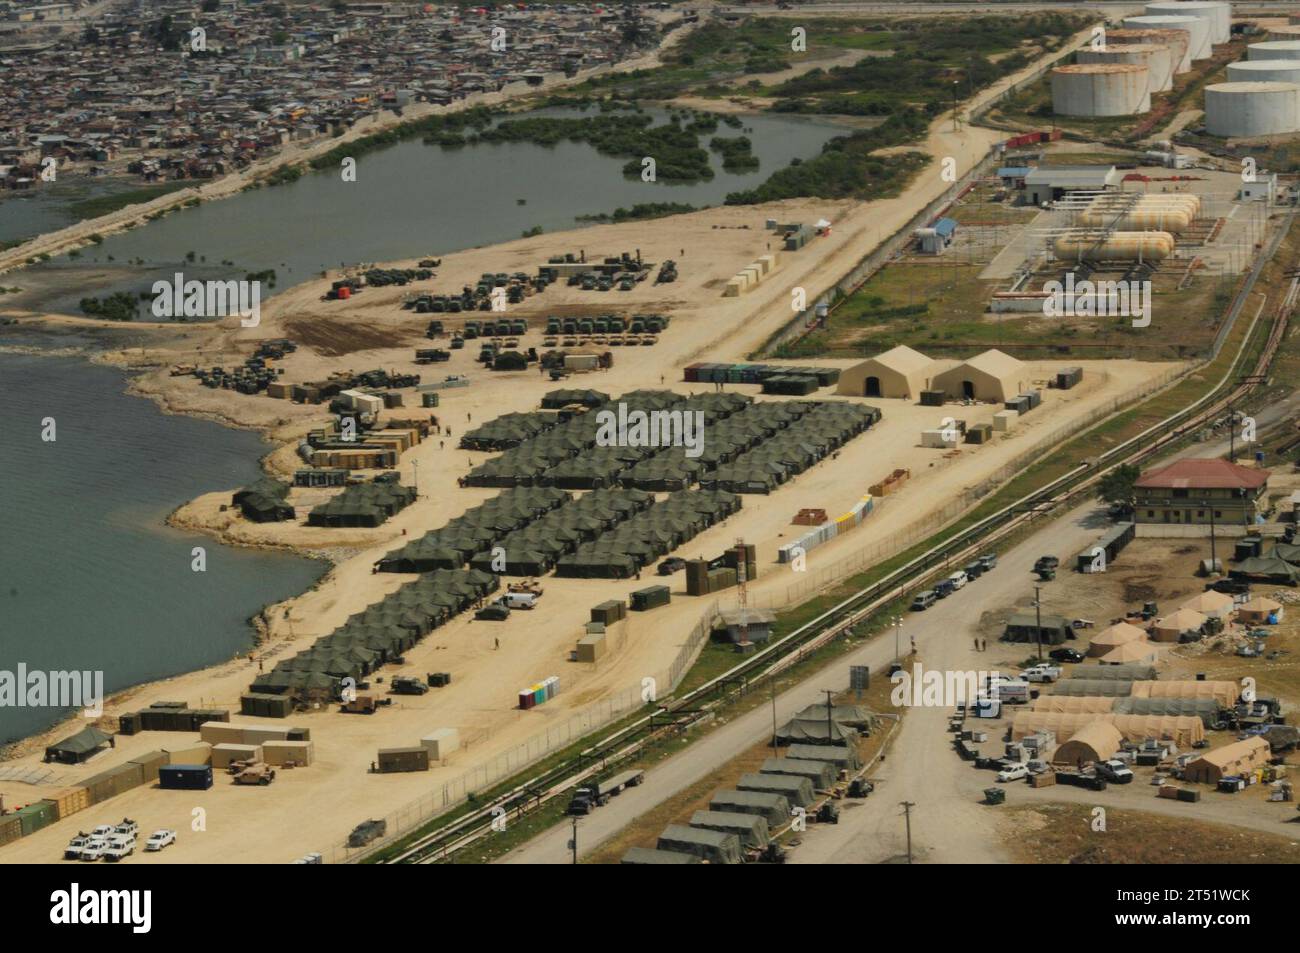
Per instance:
{"type": "Point", "coordinates": [1072, 176]}
{"type": "Point", "coordinates": [1014, 171]}
{"type": "Point", "coordinates": [945, 226]}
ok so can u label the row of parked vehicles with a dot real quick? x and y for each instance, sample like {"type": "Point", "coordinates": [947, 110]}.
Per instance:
{"type": "Point", "coordinates": [957, 580]}
{"type": "Point", "coordinates": [114, 841]}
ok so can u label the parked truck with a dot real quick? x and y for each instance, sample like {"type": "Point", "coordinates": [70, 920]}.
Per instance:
{"type": "Point", "coordinates": [405, 685]}
{"type": "Point", "coordinates": [258, 773]}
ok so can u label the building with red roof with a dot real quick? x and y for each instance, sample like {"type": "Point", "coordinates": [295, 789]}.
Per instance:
{"type": "Point", "coordinates": [1197, 491]}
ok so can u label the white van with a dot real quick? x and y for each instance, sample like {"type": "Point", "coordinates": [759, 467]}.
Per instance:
{"type": "Point", "coordinates": [520, 600]}
{"type": "Point", "coordinates": [958, 579]}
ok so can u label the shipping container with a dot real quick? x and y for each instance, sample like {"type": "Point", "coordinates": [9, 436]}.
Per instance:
{"type": "Point", "coordinates": [185, 777]}
{"type": "Point", "coordinates": [226, 752]}
{"type": "Point", "coordinates": [394, 760]}
{"type": "Point", "coordinates": [441, 743]}
{"type": "Point", "coordinates": [11, 828]}
{"type": "Point", "coordinates": [609, 612]}
{"type": "Point", "coordinates": [197, 754]}
{"type": "Point", "coordinates": [301, 753]}
{"type": "Point", "coordinates": [33, 817]}
{"type": "Point", "coordinates": [650, 597]}
{"type": "Point", "coordinates": [69, 801]}
{"type": "Point", "coordinates": [149, 765]}
{"type": "Point", "coordinates": [932, 398]}
{"type": "Point", "coordinates": [591, 648]}
{"type": "Point", "coordinates": [1069, 377]}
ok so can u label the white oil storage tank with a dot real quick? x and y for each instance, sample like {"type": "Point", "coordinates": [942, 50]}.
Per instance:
{"type": "Point", "coordinates": [1247, 110]}
{"type": "Point", "coordinates": [1264, 71]}
{"type": "Point", "coordinates": [1177, 40]}
{"type": "Point", "coordinates": [1101, 89]}
{"type": "Point", "coordinates": [1156, 57]}
{"type": "Point", "coordinates": [1219, 14]}
{"type": "Point", "coordinates": [1284, 33]}
{"type": "Point", "coordinates": [1198, 32]}
{"type": "Point", "coordinates": [1085, 245]}
{"type": "Point", "coordinates": [1274, 50]}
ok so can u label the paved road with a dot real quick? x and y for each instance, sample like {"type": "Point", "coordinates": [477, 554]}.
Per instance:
{"type": "Point", "coordinates": [943, 640]}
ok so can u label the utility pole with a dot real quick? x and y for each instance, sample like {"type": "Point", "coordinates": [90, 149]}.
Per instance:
{"type": "Point", "coordinates": [907, 816]}
{"type": "Point", "coordinates": [1214, 562]}
{"type": "Point", "coordinates": [416, 465]}
{"type": "Point", "coordinates": [772, 683]}
{"type": "Point", "coordinates": [830, 736]}
{"type": "Point", "coordinates": [1038, 620]}
{"type": "Point", "coordinates": [898, 629]}
{"type": "Point", "coordinates": [573, 841]}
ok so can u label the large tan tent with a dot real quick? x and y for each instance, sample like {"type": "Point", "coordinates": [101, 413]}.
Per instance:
{"type": "Point", "coordinates": [1114, 636]}
{"type": "Point", "coordinates": [1225, 693]}
{"type": "Point", "coordinates": [1183, 730]}
{"type": "Point", "coordinates": [899, 372]}
{"type": "Point", "coordinates": [1068, 705]}
{"type": "Point", "coordinates": [992, 376]}
{"type": "Point", "coordinates": [1238, 758]}
{"type": "Point", "coordinates": [1169, 628]}
{"type": "Point", "coordinates": [1210, 602]}
{"type": "Point", "coordinates": [1095, 741]}
{"type": "Point", "coordinates": [1257, 611]}
{"type": "Point", "coordinates": [1134, 651]}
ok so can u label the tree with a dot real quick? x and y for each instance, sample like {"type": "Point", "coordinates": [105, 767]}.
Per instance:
{"type": "Point", "coordinates": [1116, 487]}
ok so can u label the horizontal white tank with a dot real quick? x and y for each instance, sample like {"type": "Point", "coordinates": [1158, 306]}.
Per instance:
{"type": "Point", "coordinates": [1219, 14]}
{"type": "Point", "coordinates": [1264, 71]}
{"type": "Point", "coordinates": [1198, 31]}
{"type": "Point", "coordinates": [1178, 42]}
{"type": "Point", "coordinates": [1274, 50]}
{"type": "Point", "coordinates": [1149, 212]}
{"type": "Point", "coordinates": [1156, 57]}
{"type": "Point", "coordinates": [1247, 110]}
{"type": "Point", "coordinates": [1284, 33]}
{"type": "Point", "coordinates": [1101, 89]}
{"type": "Point", "coordinates": [1114, 246]}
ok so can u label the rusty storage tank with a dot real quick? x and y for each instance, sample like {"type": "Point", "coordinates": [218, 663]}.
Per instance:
{"type": "Point", "coordinates": [1101, 89]}
{"type": "Point", "coordinates": [1198, 32]}
{"type": "Point", "coordinates": [1156, 57]}
{"type": "Point", "coordinates": [1097, 246]}
{"type": "Point", "coordinates": [1178, 41]}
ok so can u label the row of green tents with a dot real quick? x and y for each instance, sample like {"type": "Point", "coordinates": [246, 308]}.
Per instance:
{"type": "Point", "coordinates": [364, 504]}
{"type": "Point", "coordinates": [535, 549]}
{"type": "Point", "coordinates": [264, 501]}
{"type": "Point", "coordinates": [566, 455]}
{"type": "Point", "coordinates": [508, 430]}
{"type": "Point", "coordinates": [475, 530]}
{"type": "Point", "coordinates": [1280, 566]}
{"type": "Point", "coordinates": [648, 535]}
{"type": "Point", "coordinates": [378, 634]}
{"type": "Point", "coordinates": [814, 436]}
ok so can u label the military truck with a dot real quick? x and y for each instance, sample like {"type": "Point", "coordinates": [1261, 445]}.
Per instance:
{"type": "Point", "coordinates": [258, 773]}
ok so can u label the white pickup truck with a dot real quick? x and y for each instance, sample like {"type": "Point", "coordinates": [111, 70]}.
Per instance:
{"type": "Point", "coordinates": [1041, 673]}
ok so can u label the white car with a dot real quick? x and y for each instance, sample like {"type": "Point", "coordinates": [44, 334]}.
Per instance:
{"type": "Point", "coordinates": [94, 848]}
{"type": "Point", "coordinates": [119, 846]}
{"type": "Point", "coordinates": [103, 830]}
{"type": "Point", "coordinates": [1041, 673]}
{"type": "Point", "coordinates": [958, 579]}
{"type": "Point", "coordinates": [73, 850]}
{"type": "Point", "coordinates": [127, 826]}
{"type": "Point", "coordinates": [1017, 772]}
{"type": "Point", "coordinates": [160, 839]}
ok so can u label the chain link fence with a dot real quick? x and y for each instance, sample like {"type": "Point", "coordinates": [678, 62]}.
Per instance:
{"type": "Point", "coordinates": [457, 791]}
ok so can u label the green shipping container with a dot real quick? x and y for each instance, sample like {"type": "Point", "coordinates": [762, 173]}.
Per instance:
{"type": "Point", "coordinates": [35, 816]}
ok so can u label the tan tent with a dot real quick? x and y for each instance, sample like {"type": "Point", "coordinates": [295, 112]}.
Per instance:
{"type": "Point", "coordinates": [1238, 758]}
{"type": "Point", "coordinates": [1257, 611]}
{"type": "Point", "coordinates": [1213, 603]}
{"type": "Point", "coordinates": [991, 376]}
{"type": "Point", "coordinates": [1225, 693]}
{"type": "Point", "coordinates": [1129, 652]}
{"type": "Point", "coordinates": [1175, 624]}
{"type": "Point", "coordinates": [1095, 741]}
{"type": "Point", "coordinates": [1114, 636]}
{"type": "Point", "coordinates": [899, 372]}
{"type": "Point", "coordinates": [1065, 704]}
{"type": "Point", "coordinates": [1183, 730]}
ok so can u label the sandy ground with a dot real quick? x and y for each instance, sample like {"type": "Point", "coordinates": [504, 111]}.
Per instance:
{"type": "Point", "coordinates": [277, 824]}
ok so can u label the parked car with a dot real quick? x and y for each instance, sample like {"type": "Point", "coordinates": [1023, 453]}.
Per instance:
{"type": "Point", "coordinates": [127, 826]}
{"type": "Point", "coordinates": [94, 848]}
{"type": "Point", "coordinates": [1046, 562]}
{"type": "Point", "coordinates": [493, 613]}
{"type": "Point", "coordinates": [1115, 771]}
{"type": "Point", "coordinates": [519, 600]}
{"type": "Point", "coordinates": [1041, 673]}
{"type": "Point", "coordinates": [944, 588]}
{"type": "Point", "coordinates": [1014, 772]}
{"type": "Point", "coordinates": [958, 579]}
{"type": "Point", "coordinates": [73, 850]}
{"type": "Point", "coordinates": [671, 565]}
{"type": "Point", "coordinates": [923, 600]}
{"type": "Point", "coordinates": [160, 839]}
{"type": "Point", "coordinates": [989, 561]}
{"type": "Point", "coordinates": [973, 570]}
{"type": "Point", "coordinates": [119, 846]}
{"type": "Point", "coordinates": [1230, 587]}
{"type": "Point", "coordinates": [1066, 655]}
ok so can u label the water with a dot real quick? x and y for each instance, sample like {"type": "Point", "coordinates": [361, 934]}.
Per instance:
{"type": "Point", "coordinates": [90, 577]}
{"type": "Point", "coordinates": [411, 199]}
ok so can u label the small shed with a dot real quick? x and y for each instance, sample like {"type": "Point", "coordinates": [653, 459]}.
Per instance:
{"type": "Point", "coordinates": [748, 625]}
{"type": "Point", "coordinates": [1239, 758]}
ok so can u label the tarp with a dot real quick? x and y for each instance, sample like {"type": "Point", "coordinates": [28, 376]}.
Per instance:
{"type": "Point", "coordinates": [1113, 636]}
{"type": "Point", "coordinates": [1170, 627]}
{"type": "Point", "coordinates": [1107, 688]}
{"type": "Point", "coordinates": [1206, 709]}
{"type": "Point", "coordinates": [855, 716]}
{"type": "Point", "coordinates": [1072, 705]}
{"type": "Point", "coordinates": [1113, 672]}
{"type": "Point", "coordinates": [822, 774]}
{"type": "Point", "coordinates": [1238, 758]}
{"type": "Point", "coordinates": [750, 828]}
{"type": "Point", "coordinates": [774, 808]}
{"type": "Point", "coordinates": [1094, 741]}
{"type": "Point", "coordinates": [716, 847]}
{"type": "Point", "coordinates": [815, 731]}
{"type": "Point", "coordinates": [79, 746]}
{"type": "Point", "coordinates": [1223, 692]}
{"type": "Point", "coordinates": [1272, 568]}
{"type": "Point", "coordinates": [650, 856]}
{"type": "Point", "coordinates": [1210, 603]}
{"type": "Point", "coordinates": [1184, 731]}
{"type": "Point", "coordinates": [1129, 652]}
{"type": "Point", "coordinates": [842, 756]}
{"type": "Point", "coordinates": [798, 791]}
